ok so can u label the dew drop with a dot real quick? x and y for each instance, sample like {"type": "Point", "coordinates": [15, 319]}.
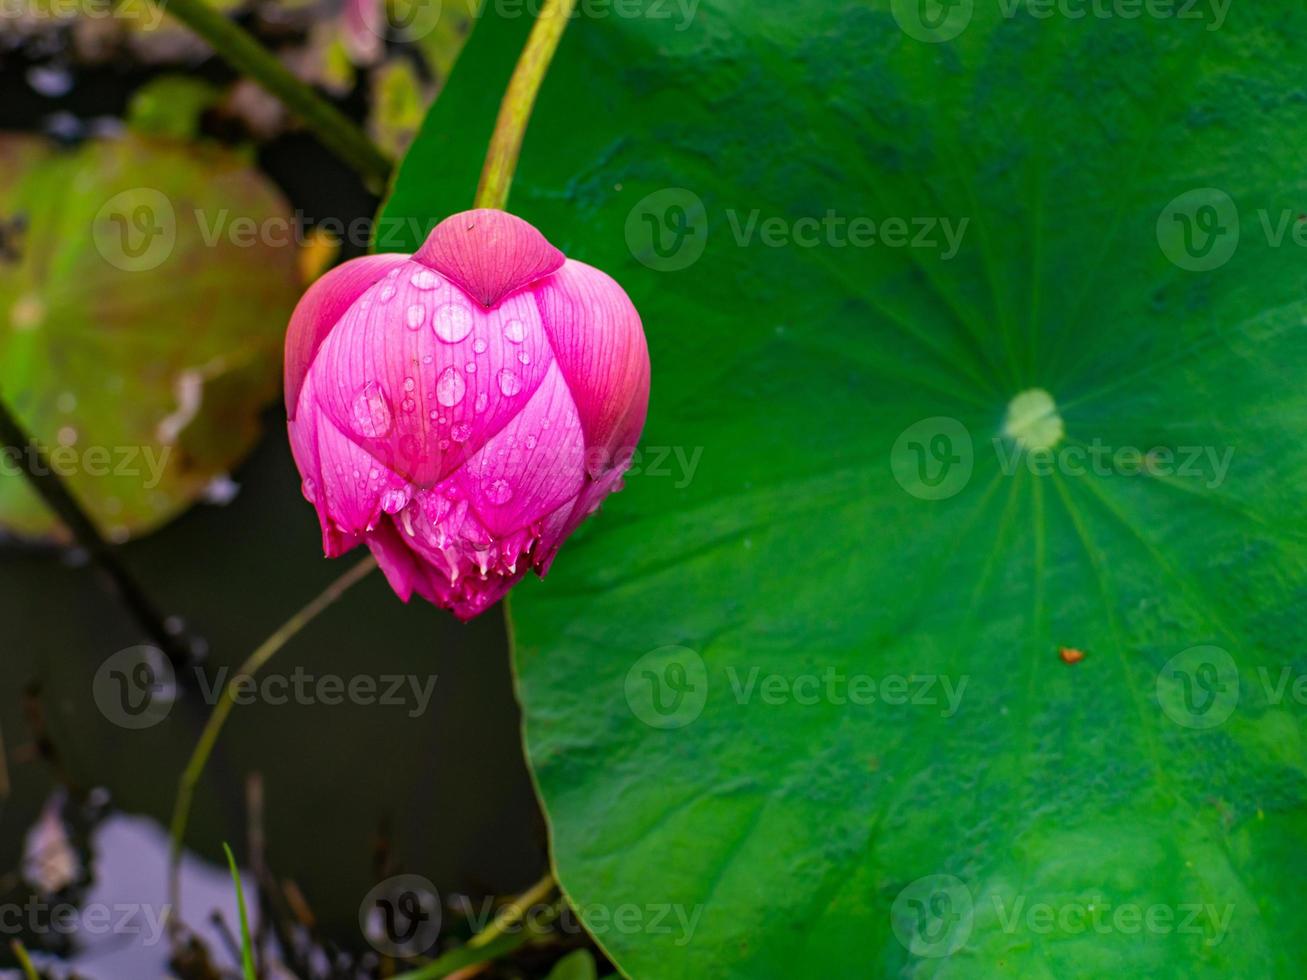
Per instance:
{"type": "Point", "coordinates": [372, 418]}
{"type": "Point", "coordinates": [310, 490]}
{"type": "Point", "coordinates": [424, 279]}
{"type": "Point", "coordinates": [416, 316]}
{"type": "Point", "coordinates": [471, 367]}
{"type": "Point", "coordinates": [450, 388]}
{"type": "Point", "coordinates": [499, 492]}
{"type": "Point", "coordinates": [461, 432]}
{"type": "Point", "coordinates": [482, 400]}
{"type": "Point", "coordinates": [530, 442]}
{"type": "Point", "coordinates": [479, 346]}
{"type": "Point", "coordinates": [515, 331]}
{"type": "Point", "coordinates": [387, 293]}
{"type": "Point", "coordinates": [524, 357]}
{"type": "Point", "coordinates": [408, 405]}
{"type": "Point", "coordinates": [452, 323]}
{"type": "Point", "coordinates": [509, 383]}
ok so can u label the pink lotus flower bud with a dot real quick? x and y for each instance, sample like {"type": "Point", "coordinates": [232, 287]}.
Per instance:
{"type": "Point", "coordinates": [463, 409]}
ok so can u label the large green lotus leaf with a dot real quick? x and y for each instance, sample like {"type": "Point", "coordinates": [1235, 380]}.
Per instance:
{"type": "Point", "coordinates": [812, 691]}
{"type": "Point", "coordinates": [144, 290]}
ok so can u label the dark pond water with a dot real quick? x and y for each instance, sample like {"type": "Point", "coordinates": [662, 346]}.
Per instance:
{"type": "Point", "coordinates": [351, 792]}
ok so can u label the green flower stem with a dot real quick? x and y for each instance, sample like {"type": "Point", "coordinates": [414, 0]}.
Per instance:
{"type": "Point", "coordinates": [50, 487]}
{"type": "Point", "coordinates": [519, 100]}
{"type": "Point", "coordinates": [496, 940]}
{"type": "Point", "coordinates": [209, 737]}
{"type": "Point", "coordinates": [251, 58]}
{"type": "Point", "coordinates": [512, 913]}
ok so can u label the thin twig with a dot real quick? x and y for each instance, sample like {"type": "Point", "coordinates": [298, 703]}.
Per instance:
{"type": "Point", "coordinates": [36, 467]}
{"type": "Point", "coordinates": [5, 785]}
{"type": "Point", "coordinates": [256, 843]}
{"type": "Point", "coordinates": [244, 53]}
{"type": "Point", "coordinates": [227, 701]}
{"type": "Point", "coordinates": [511, 914]}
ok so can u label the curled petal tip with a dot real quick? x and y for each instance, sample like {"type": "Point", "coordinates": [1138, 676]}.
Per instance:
{"type": "Point", "coordinates": [489, 254]}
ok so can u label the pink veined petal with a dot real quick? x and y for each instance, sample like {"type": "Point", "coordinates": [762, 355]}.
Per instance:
{"type": "Point", "coordinates": [532, 466]}
{"type": "Point", "coordinates": [319, 309]}
{"type": "Point", "coordinates": [488, 254]}
{"type": "Point", "coordinates": [421, 376]}
{"type": "Point", "coordinates": [303, 431]}
{"type": "Point", "coordinates": [406, 569]}
{"type": "Point", "coordinates": [354, 488]}
{"type": "Point", "coordinates": [466, 567]}
{"type": "Point", "coordinates": [399, 564]}
{"type": "Point", "coordinates": [599, 343]}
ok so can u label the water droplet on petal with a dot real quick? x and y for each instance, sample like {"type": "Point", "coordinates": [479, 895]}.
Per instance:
{"type": "Point", "coordinates": [461, 432]}
{"type": "Point", "coordinates": [450, 388]}
{"type": "Point", "coordinates": [471, 367]}
{"type": "Point", "coordinates": [530, 442]}
{"type": "Point", "coordinates": [524, 357]}
{"type": "Point", "coordinates": [310, 490]}
{"type": "Point", "coordinates": [509, 383]}
{"type": "Point", "coordinates": [482, 400]}
{"type": "Point", "coordinates": [408, 405]}
{"type": "Point", "coordinates": [416, 316]}
{"type": "Point", "coordinates": [452, 323]}
{"type": "Point", "coordinates": [499, 492]}
{"type": "Point", "coordinates": [387, 293]}
{"type": "Point", "coordinates": [479, 345]}
{"type": "Point", "coordinates": [515, 331]}
{"type": "Point", "coordinates": [424, 279]}
{"type": "Point", "coordinates": [372, 417]}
